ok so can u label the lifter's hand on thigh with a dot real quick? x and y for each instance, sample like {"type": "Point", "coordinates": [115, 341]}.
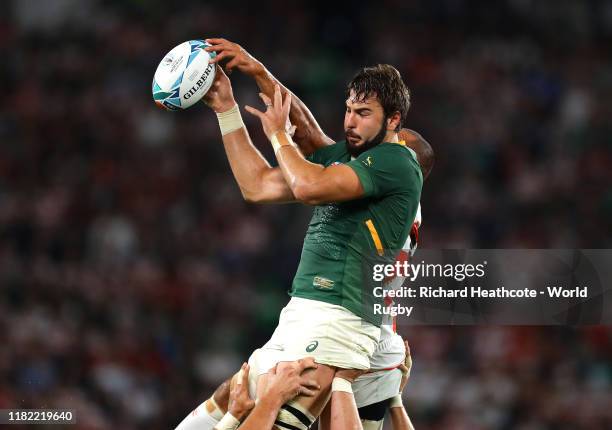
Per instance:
{"type": "Point", "coordinates": [286, 381]}
{"type": "Point", "coordinates": [405, 367]}
{"type": "Point", "coordinates": [240, 403]}
{"type": "Point", "coordinates": [350, 374]}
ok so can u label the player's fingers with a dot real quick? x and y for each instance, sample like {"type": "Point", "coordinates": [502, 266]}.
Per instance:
{"type": "Point", "coordinates": [407, 347]}
{"type": "Point", "coordinates": [306, 363]}
{"type": "Point", "coordinates": [216, 40]}
{"type": "Point", "coordinates": [220, 73]}
{"type": "Point", "coordinates": [310, 383]}
{"type": "Point", "coordinates": [233, 63]}
{"type": "Point", "coordinates": [278, 102]}
{"type": "Point", "coordinates": [258, 114]}
{"type": "Point", "coordinates": [215, 47]}
{"type": "Point", "coordinates": [287, 103]}
{"type": "Point", "coordinates": [265, 99]}
{"type": "Point", "coordinates": [237, 378]}
{"type": "Point", "coordinates": [245, 375]}
{"type": "Point", "coordinates": [220, 56]}
{"type": "Point", "coordinates": [306, 392]}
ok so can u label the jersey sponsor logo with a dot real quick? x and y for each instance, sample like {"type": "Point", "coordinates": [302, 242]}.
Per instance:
{"type": "Point", "coordinates": [312, 346]}
{"type": "Point", "coordinates": [320, 282]}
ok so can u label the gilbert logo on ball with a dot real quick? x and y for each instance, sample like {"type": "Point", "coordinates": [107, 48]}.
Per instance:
{"type": "Point", "coordinates": [183, 76]}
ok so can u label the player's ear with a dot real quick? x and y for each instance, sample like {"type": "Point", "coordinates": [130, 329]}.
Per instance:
{"type": "Point", "coordinates": [393, 122]}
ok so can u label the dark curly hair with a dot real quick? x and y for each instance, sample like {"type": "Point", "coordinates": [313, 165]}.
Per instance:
{"type": "Point", "coordinates": [384, 82]}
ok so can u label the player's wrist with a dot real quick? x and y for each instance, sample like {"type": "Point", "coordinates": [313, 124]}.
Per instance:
{"type": "Point", "coordinates": [228, 422]}
{"type": "Point", "coordinates": [229, 119]}
{"type": "Point", "coordinates": [258, 71]}
{"type": "Point", "coordinates": [280, 139]}
{"type": "Point", "coordinates": [238, 413]}
{"type": "Point", "coordinates": [263, 78]}
{"type": "Point", "coordinates": [224, 106]}
{"type": "Point", "coordinates": [341, 384]}
{"type": "Point", "coordinates": [396, 401]}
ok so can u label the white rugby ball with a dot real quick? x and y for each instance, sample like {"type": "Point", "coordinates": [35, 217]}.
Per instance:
{"type": "Point", "coordinates": [183, 76]}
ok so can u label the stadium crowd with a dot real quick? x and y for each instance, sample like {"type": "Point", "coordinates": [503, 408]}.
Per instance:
{"type": "Point", "coordinates": [133, 278]}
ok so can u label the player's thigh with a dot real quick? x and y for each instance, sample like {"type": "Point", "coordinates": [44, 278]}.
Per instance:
{"type": "Point", "coordinates": [325, 417]}
{"type": "Point", "coordinates": [323, 375]}
{"type": "Point", "coordinates": [372, 416]}
{"type": "Point", "coordinates": [302, 411]}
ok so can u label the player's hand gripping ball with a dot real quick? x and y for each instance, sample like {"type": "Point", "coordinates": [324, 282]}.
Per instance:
{"type": "Point", "coordinates": [183, 76]}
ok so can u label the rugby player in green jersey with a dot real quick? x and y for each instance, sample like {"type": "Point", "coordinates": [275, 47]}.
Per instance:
{"type": "Point", "coordinates": [366, 191]}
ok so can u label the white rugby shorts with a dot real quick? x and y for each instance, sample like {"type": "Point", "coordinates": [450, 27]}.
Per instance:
{"type": "Point", "coordinates": [383, 382]}
{"type": "Point", "coordinates": [330, 333]}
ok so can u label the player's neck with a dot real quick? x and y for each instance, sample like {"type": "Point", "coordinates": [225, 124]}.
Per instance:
{"type": "Point", "coordinates": [392, 137]}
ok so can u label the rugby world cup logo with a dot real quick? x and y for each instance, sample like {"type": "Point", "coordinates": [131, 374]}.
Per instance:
{"type": "Point", "coordinates": [168, 60]}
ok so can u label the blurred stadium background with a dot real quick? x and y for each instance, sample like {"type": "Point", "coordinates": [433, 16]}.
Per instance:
{"type": "Point", "coordinates": [134, 278]}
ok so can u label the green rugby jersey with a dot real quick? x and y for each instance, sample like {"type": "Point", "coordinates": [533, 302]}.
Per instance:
{"type": "Point", "coordinates": [341, 235]}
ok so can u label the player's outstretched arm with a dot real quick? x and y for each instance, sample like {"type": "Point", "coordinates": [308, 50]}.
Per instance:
{"type": "Point", "coordinates": [310, 183]}
{"type": "Point", "coordinates": [399, 417]}
{"type": "Point", "coordinates": [308, 134]}
{"type": "Point", "coordinates": [343, 414]}
{"type": "Point", "coordinates": [258, 181]}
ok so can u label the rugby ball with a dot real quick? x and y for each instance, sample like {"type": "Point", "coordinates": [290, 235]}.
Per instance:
{"type": "Point", "coordinates": [183, 76]}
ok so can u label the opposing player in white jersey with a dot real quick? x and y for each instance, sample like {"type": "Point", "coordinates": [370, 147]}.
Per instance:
{"type": "Point", "coordinates": [380, 389]}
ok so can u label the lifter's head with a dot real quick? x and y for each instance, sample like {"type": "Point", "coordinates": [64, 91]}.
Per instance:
{"type": "Point", "coordinates": [377, 102]}
{"type": "Point", "coordinates": [424, 151]}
